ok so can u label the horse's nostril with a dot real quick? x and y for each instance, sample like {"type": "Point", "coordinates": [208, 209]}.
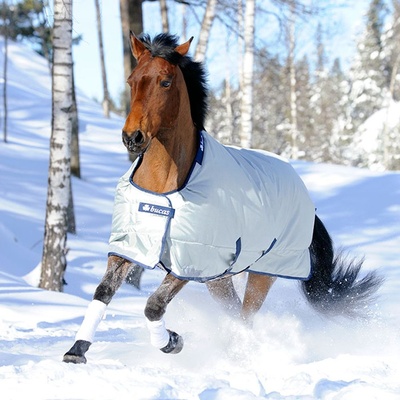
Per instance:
{"type": "Point", "coordinates": [133, 140]}
{"type": "Point", "coordinates": [138, 137]}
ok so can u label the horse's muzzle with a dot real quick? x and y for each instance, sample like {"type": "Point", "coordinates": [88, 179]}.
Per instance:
{"type": "Point", "coordinates": [134, 141]}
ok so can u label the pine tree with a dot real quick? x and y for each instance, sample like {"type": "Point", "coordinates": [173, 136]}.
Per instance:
{"type": "Point", "coordinates": [27, 20]}
{"type": "Point", "coordinates": [320, 105]}
{"type": "Point", "coordinates": [370, 76]}
{"type": "Point", "coordinates": [391, 127]}
{"type": "Point", "coordinates": [329, 88]}
{"type": "Point", "coordinates": [375, 137]}
{"type": "Point", "coordinates": [337, 94]}
{"type": "Point", "coordinates": [223, 121]}
{"type": "Point", "coordinates": [5, 29]}
{"type": "Point", "coordinates": [310, 145]}
{"type": "Point", "coordinates": [393, 47]}
{"type": "Point", "coordinates": [271, 108]}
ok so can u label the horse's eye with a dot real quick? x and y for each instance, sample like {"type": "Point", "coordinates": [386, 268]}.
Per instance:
{"type": "Point", "coordinates": [165, 84]}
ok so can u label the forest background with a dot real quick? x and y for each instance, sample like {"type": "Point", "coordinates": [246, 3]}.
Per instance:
{"type": "Point", "coordinates": [314, 84]}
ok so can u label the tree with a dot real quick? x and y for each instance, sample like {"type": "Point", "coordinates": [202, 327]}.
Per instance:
{"type": "Point", "coordinates": [223, 121]}
{"type": "Point", "coordinates": [126, 50]}
{"type": "Point", "coordinates": [310, 143]}
{"type": "Point", "coordinates": [106, 95]}
{"type": "Point", "coordinates": [270, 103]}
{"type": "Point", "coordinates": [370, 78]}
{"type": "Point", "coordinates": [324, 105]}
{"type": "Point", "coordinates": [5, 67]}
{"type": "Point", "coordinates": [208, 18]}
{"type": "Point", "coordinates": [390, 134]}
{"type": "Point", "coordinates": [336, 93]}
{"type": "Point", "coordinates": [164, 15]}
{"type": "Point", "coordinates": [369, 74]}
{"type": "Point", "coordinates": [28, 20]}
{"type": "Point", "coordinates": [291, 40]}
{"type": "Point", "coordinates": [58, 196]}
{"type": "Point", "coordinates": [393, 46]}
{"type": "Point", "coordinates": [246, 110]}
{"type": "Point", "coordinates": [131, 20]}
{"type": "Point", "coordinates": [75, 156]}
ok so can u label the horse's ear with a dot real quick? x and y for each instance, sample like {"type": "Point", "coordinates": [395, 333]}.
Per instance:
{"type": "Point", "coordinates": [137, 47]}
{"type": "Point", "coordinates": [183, 48]}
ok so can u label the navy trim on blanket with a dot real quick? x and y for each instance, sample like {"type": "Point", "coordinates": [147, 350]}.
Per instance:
{"type": "Point", "coordinates": [280, 276]}
{"type": "Point", "coordinates": [237, 253]}
{"type": "Point", "coordinates": [204, 279]}
{"type": "Point", "coordinates": [209, 278]}
{"type": "Point", "coordinates": [169, 271]}
{"type": "Point", "coordinates": [267, 251]}
{"type": "Point", "coordinates": [200, 150]}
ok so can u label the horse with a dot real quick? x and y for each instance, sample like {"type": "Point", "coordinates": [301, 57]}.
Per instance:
{"type": "Point", "coordinates": [202, 211]}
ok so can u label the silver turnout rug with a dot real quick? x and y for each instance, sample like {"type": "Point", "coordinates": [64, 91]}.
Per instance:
{"type": "Point", "coordinates": [238, 210]}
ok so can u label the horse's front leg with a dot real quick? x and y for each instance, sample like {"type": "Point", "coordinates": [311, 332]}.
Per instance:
{"type": "Point", "coordinates": [164, 339]}
{"type": "Point", "coordinates": [117, 270]}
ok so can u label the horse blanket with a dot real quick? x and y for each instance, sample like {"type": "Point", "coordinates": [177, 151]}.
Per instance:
{"type": "Point", "coordinates": [238, 210]}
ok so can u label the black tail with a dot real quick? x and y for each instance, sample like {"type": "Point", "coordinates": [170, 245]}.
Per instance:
{"type": "Point", "coordinates": [333, 287]}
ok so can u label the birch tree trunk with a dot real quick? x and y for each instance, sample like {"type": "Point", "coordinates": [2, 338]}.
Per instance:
{"type": "Point", "coordinates": [75, 158]}
{"type": "Point", "coordinates": [240, 22]}
{"type": "Point", "coordinates": [5, 67]}
{"type": "Point", "coordinates": [164, 15]}
{"type": "Point", "coordinates": [184, 23]}
{"type": "Point", "coordinates": [246, 108]}
{"type": "Point", "coordinates": [208, 18]}
{"type": "Point", "coordinates": [294, 133]}
{"type": "Point", "coordinates": [55, 236]}
{"type": "Point", "coordinates": [228, 100]}
{"type": "Point", "coordinates": [106, 95]}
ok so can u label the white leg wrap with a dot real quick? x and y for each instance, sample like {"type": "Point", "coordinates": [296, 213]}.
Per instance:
{"type": "Point", "coordinates": [159, 336]}
{"type": "Point", "coordinates": [93, 316]}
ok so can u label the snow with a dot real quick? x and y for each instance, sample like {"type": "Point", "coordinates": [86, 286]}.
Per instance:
{"type": "Point", "coordinates": [292, 352]}
{"type": "Point", "coordinates": [380, 123]}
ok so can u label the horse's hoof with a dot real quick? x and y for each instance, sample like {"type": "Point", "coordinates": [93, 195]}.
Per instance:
{"type": "Point", "coordinates": [76, 354]}
{"type": "Point", "coordinates": [175, 344]}
{"type": "Point", "coordinates": [72, 358]}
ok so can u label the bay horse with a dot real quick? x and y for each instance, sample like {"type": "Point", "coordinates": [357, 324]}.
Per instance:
{"type": "Point", "coordinates": [203, 211]}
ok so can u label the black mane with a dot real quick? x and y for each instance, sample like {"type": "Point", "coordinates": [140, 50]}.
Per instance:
{"type": "Point", "coordinates": [163, 45]}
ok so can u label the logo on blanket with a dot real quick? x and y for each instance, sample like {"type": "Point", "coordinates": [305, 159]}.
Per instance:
{"type": "Point", "coordinates": [157, 210]}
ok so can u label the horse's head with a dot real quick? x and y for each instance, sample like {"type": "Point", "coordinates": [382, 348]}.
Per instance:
{"type": "Point", "coordinates": [156, 89]}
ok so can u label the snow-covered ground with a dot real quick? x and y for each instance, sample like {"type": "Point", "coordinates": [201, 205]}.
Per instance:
{"type": "Point", "coordinates": [292, 353]}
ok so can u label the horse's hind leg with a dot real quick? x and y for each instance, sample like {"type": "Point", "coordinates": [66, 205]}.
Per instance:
{"type": "Point", "coordinates": [257, 288]}
{"type": "Point", "coordinates": [165, 340]}
{"type": "Point", "coordinates": [117, 269]}
{"type": "Point", "coordinates": [224, 292]}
